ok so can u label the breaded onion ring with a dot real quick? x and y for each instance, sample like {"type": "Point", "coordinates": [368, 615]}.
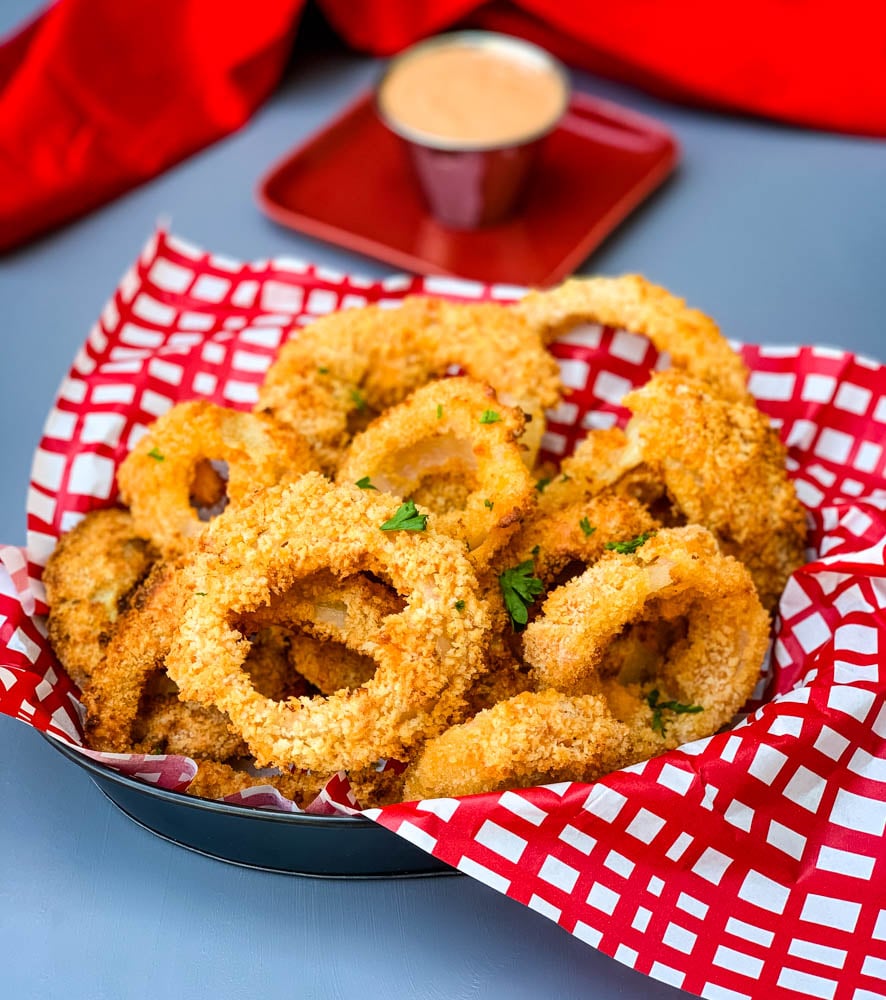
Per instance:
{"type": "Point", "coordinates": [169, 480]}
{"type": "Point", "coordinates": [727, 472]}
{"type": "Point", "coordinates": [598, 465]}
{"type": "Point", "coordinates": [118, 696]}
{"type": "Point", "coordinates": [692, 340]}
{"type": "Point", "coordinates": [89, 578]}
{"type": "Point", "coordinates": [558, 538]}
{"type": "Point", "coordinates": [371, 358]}
{"type": "Point", "coordinates": [531, 739]}
{"type": "Point", "coordinates": [677, 573]}
{"type": "Point", "coordinates": [427, 655]}
{"type": "Point", "coordinates": [214, 780]}
{"type": "Point", "coordinates": [452, 419]}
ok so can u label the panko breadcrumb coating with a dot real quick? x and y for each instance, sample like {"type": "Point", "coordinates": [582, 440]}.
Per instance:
{"type": "Point", "coordinates": [427, 655]}
{"type": "Point", "coordinates": [89, 578]}
{"type": "Point", "coordinates": [168, 479]}
{"type": "Point", "coordinates": [455, 416]}
{"type": "Point", "coordinates": [723, 466]}
{"type": "Point", "coordinates": [531, 739]}
{"type": "Point", "coordinates": [437, 606]}
{"type": "Point", "coordinates": [369, 359]}
{"type": "Point", "coordinates": [692, 340]}
{"type": "Point", "coordinates": [675, 573]}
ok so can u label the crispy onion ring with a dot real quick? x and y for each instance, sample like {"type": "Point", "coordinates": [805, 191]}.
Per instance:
{"type": "Point", "coordinates": [558, 537]}
{"type": "Point", "coordinates": [533, 738]}
{"type": "Point", "coordinates": [119, 703]}
{"type": "Point", "coordinates": [214, 780]}
{"type": "Point", "coordinates": [454, 419]}
{"type": "Point", "coordinates": [728, 473]}
{"type": "Point", "coordinates": [692, 340]}
{"type": "Point", "coordinates": [372, 358]}
{"type": "Point", "coordinates": [168, 476]}
{"type": "Point", "coordinates": [427, 655]}
{"type": "Point", "coordinates": [677, 573]}
{"type": "Point", "coordinates": [89, 578]}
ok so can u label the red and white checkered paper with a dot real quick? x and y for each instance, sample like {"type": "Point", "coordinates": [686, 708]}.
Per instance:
{"type": "Point", "coordinates": [748, 865]}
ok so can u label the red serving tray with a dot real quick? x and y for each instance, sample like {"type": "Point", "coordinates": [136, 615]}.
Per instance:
{"type": "Point", "coordinates": [351, 184]}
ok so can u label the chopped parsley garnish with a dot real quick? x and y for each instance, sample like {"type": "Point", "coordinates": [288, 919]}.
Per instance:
{"type": "Point", "coordinates": [358, 399]}
{"type": "Point", "coordinates": [459, 605]}
{"type": "Point", "coordinates": [631, 545]}
{"type": "Point", "coordinates": [543, 484]}
{"type": "Point", "coordinates": [323, 370]}
{"type": "Point", "coordinates": [677, 707]}
{"type": "Point", "coordinates": [154, 453]}
{"type": "Point", "coordinates": [489, 504]}
{"type": "Point", "coordinates": [564, 478]}
{"type": "Point", "coordinates": [519, 588]}
{"type": "Point", "coordinates": [200, 593]}
{"type": "Point", "coordinates": [439, 411]}
{"type": "Point", "coordinates": [489, 417]}
{"type": "Point", "coordinates": [407, 518]}
{"type": "Point", "coordinates": [365, 484]}
{"type": "Point", "coordinates": [587, 527]}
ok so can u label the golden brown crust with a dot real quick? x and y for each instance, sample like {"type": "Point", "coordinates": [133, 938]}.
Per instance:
{"type": "Point", "coordinates": [428, 654]}
{"type": "Point", "coordinates": [692, 340]}
{"type": "Point", "coordinates": [453, 418]}
{"type": "Point", "coordinates": [723, 466]}
{"type": "Point", "coordinates": [167, 476]}
{"type": "Point", "coordinates": [531, 739]}
{"type": "Point", "coordinates": [677, 574]}
{"type": "Point", "coordinates": [372, 358]}
{"type": "Point", "coordinates": [88, 579]}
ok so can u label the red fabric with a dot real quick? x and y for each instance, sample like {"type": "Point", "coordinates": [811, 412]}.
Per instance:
{"type": "Point", "coordinates": [97, 96]}
{"type": "Point", "coordinates": [100, 95]}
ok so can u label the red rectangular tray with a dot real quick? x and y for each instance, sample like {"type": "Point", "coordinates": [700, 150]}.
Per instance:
{"type": "Point", "coordinates": [351, 184]}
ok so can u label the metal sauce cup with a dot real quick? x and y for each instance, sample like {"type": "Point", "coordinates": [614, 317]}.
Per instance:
{"type": "Point", "coordinates": [472, 183]}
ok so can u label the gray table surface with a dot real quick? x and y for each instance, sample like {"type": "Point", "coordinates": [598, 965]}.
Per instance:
{"type": "Point", "coordinates": [779, 233]}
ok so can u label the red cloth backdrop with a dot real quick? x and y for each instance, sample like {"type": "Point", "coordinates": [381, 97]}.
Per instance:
{"type": "Point", "coordinates": [97, 96]}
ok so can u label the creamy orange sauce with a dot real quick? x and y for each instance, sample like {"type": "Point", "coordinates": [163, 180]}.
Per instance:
{"type": "Point", "coordinates": [461, 93]}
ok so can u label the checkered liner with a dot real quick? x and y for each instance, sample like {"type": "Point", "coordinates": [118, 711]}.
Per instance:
{"type": "Point", "coordinates": [750, 864]}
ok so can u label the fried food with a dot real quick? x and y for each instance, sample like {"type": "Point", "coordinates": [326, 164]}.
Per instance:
{"type": "Point", "coordinates": [440, 620]}
{"type": "Point", "coordinates": [120, 687]}
{"type": "Point", "coordinates": [454, 420]}
{"type": "Point", "coordinates": [359, 362]}
{"type": "Point", "coordinates": [531, 739]}
{"type": "Point", "coordinates": [196, 459]}
{"type": "Point", "coordinates": [692, 340]}
{"type": "Point", "coordinates": [328, 666]}
{"type": "Point", "coordinates": [427, 655]}
{"type": "Point", "coordinates": [727, 474]}
{"type": "Point", "coordinates": [214, 780]}
{"type": "Point", "coordinates": [567, 539]}
{"type": "Point", "coordinates": [677, 573]}
{"type": "Point", "coordinates": [89, 578]}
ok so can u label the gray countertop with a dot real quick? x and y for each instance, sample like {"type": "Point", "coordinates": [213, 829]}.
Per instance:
{"type": "Point", "coordinates": [779, 233]}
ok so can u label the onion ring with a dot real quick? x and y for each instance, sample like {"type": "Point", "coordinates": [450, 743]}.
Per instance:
{"type": "Point", "coordinates": [168, 475]}
{"type": "Point", "coordinates": [533, 738]}
{"type": "Point", "coordinates": [118, 694]}
{"type": "Point", "coordinates": [727, 474]}
{"type": "Point", "coordinates": [677, 573]}
{"type": "Point", "coordinates": [556, 538]}
{"type": "Point", "coordinates": [89, 577]}
{"type": "Point", "coordinates": [692, 340]}
{"type": "Point", "coordinates": [456, 418]}
{"type": "Point", "coordinates": [427, 655]}
{"type": "Point", "coordinates": [368, 359]}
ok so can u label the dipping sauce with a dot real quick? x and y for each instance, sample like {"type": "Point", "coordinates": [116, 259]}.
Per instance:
{"type": "Point", "coordinates": [473, 96]}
